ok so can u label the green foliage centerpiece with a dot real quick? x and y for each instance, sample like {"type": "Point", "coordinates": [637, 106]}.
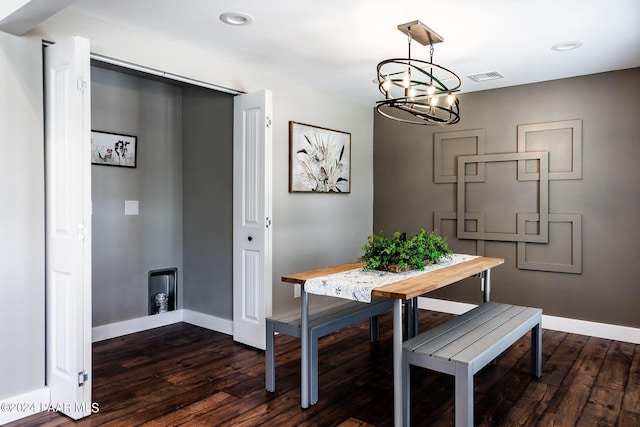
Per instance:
{"type": "Point", "coordinates": [402, 253]}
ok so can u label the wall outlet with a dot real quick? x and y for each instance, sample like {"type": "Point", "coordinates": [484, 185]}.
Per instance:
{"type": "Point", "coordinates": [296, 291]}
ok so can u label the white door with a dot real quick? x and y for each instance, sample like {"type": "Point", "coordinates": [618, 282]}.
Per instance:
{"type": "Point", "coordinates": [251, 217]}
{"type": "Point", "coordinates": [68, 216]}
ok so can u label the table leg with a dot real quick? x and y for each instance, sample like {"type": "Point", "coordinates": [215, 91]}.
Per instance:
{"type": "Point", "coordinates": [397, 363]}
{"type": "Point", "coordinates": [304, 348]}
{"type": "Point", "coordinates": [487, 285]}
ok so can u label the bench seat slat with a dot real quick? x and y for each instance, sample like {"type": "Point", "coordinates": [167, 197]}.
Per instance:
{"type": "Point", "coordinates": [495, 342]}
{"type": "Point", "coordinates": [470, 332]}
{"type": "Point", "coordinates": [435, 339]}
{"type": "Point", "coordinates": [327, 314]}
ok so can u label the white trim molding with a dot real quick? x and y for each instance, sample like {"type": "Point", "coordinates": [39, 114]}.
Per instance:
{"type": "Point", "coordinates": [24, 405]}
{"type": "Point", "coordinates": [563, 324]}
{"type": "Point", "coordinates": [113, 330]}
{"type": "Point", "coordinates": [208, 321]}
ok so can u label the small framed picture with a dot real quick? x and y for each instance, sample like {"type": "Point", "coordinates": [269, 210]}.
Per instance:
{"type": "Point", "coordinates": [319, 159]}
{"type": "Point", "coordinates": [113, 149]}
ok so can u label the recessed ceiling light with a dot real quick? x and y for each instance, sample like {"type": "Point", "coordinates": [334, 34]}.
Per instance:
{"type": "Point", "coordinates": [236, 18]}
{"type": "Point", "coordinates": [564, 46]}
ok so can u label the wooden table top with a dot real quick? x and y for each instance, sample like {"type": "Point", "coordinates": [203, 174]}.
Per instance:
{"type": "Point", "coordinates": [412, 287]}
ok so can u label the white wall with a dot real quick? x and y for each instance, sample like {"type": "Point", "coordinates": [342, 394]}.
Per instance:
{"type": "Point", "coordinates": [310, 230]}
{"type": "Point", "coordinates": [21, 218]}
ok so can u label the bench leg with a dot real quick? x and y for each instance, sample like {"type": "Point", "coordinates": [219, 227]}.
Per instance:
{"type": "Point", "coordinates": [406, 391]}
{"type": "Point", "coordinates": [536, 351]}
{"type": "Point", "coordinates": [408, 324]}
{"type": "Point", "coordinates": [415, 317]}
{"type": "Point", "coordinates": [270, 359]}
{"type": "Point", "coordinates": [410, 317]}
{"type": "Point", "coordinates": [464, 397]}
{"type": "Point", "coordinates": [374, 328]}
{"type": "Point", "coordinates": [313, 368]}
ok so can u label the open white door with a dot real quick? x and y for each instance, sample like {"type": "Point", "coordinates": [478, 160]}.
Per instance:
{"type": "Point", "coordinates": [251, 217]}
{"type": "Point", "coordinates": [68, 216]}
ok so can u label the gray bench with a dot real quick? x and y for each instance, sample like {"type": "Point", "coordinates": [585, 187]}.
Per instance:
{"type": "Point", "coordinates": [465, 344]}
{"type": "Point", "coordinates": [330, 319]}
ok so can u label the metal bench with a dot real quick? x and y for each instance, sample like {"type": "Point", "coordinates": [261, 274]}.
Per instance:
{"type": "Point", "coordinates": [465, 344]}
{"type": "Point", "coordinates": [326, 321]}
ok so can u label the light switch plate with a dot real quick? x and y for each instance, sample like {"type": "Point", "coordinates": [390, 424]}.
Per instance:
{"type": "Point", "coordinates": [131, 207]}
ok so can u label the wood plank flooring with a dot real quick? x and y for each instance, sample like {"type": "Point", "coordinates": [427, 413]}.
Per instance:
{"type": "Point", "coordinates": [186, 375]}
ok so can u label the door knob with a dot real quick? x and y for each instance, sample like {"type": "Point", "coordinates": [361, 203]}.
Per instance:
{"type": "Point", "coordinates": [250, 238]}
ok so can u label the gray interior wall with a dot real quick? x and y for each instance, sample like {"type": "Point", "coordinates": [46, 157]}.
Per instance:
{"type": "Point", "coordinates": [126, 247]}
{"type": "Point", "coordinates": [606, 196]}
{"type": "Point", "coordinates": [318, 230]}
{"type": "Point", "coordinates": [21, 217]}
{"type": "Point", "coordinates": [208, 201]}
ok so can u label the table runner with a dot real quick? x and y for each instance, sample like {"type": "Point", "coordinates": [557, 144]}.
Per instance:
{"type": "Point", "coordinates": [358, 283]}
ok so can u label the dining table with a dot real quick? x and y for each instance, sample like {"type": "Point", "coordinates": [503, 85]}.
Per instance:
{"type": "Point", "coordinates": [352, 281]}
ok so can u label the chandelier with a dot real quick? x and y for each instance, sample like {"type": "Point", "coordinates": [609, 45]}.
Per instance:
{"type": "Point", "coordinates": [416, 91]}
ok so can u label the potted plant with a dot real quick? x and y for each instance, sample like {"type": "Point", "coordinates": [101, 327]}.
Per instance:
{"type": "Point", "coordinates": [401, 253]}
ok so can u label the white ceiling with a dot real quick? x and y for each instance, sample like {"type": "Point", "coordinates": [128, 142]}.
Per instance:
{"type": "Point", "coordinates": [335, 45]}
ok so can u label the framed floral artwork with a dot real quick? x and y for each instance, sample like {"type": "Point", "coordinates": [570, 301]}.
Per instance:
{"type": "Point", "coordinates": [319, 159]}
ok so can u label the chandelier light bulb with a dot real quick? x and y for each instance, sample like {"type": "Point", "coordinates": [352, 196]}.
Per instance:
{"type": "Point", "coordinates": [412, 93]}
{"type": "Point", "coordinates": [386, 84]}
{"type": "Point", "coordinates": [451, 99]}
{"type": "Point", "coordinates": [431, 90]}
{"type": "Point", "coordinates": [406, 79]}
{"type": "Point", "coordinates": [434, 101]}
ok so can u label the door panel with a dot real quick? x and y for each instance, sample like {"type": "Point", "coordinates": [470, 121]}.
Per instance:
{"type": "Point", "coordinates": [68, 215]}
{"type": "Point", "coordinates": [252, 217]}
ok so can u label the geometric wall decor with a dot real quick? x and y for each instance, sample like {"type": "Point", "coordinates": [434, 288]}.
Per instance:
{"type": "Point", "coordinates": [439, 220]}
{"type": "Point", "coordinates": [447, 146]}
{"type": "Point", "coordinates": [518, 233]}
{"type": "Point", "coordinates": [562, 140]}
{"type": "Point", "coordinates": [505, 197]}
{"type": "Point", "coordinates": [563, 254]}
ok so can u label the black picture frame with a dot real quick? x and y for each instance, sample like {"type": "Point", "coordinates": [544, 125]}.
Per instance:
{"type": "Point", "coordinates": [113, 149]}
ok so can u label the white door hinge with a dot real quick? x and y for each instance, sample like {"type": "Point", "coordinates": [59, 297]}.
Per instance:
{"type": "Point", "coordinates": [81, 84]}
{"type": "Point", "coordinates": [268, 121]}
{"type": "Point", "coordinates": [83, 232]}
{"type": "Point", "coordinates": [82, 378]}
{"type": "Point", "coordinates": [268, 222]}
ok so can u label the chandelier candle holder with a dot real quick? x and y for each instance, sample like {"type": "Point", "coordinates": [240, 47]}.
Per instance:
{"type": "Point", "coordinates": [416, 91]}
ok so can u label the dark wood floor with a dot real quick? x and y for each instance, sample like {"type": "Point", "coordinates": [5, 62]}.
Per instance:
{"type": "Point", "coordinates": [186, 375]}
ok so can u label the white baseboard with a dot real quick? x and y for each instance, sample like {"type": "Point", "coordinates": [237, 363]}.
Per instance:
{"type": "Point", "coordinates": [563, 324]}
{"type": "Point", "coordinates": [224, 326]}
{"type": "Point", "coordinates": [24, 405]}
{"type": "Point", "coordinates": [113, 330]}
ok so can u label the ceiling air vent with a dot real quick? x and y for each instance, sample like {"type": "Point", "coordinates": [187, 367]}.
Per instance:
{"type": "Point", "coordinates": [481, 77]}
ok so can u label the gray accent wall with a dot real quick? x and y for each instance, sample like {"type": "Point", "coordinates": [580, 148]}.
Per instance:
{"type": "Point", "coordinates": [550, 184]}
{"type": "Point", "coordinates": [126, 247]}
{"type": "Point", "coordinates": [208, 201]}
